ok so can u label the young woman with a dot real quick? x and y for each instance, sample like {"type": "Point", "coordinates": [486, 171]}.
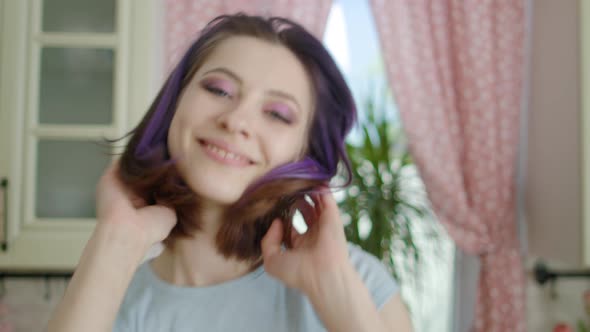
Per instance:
{"type": "Point", "coordinates": [248, 128]}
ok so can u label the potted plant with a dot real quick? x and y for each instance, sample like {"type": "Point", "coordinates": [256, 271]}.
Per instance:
{"type": "Point", "coordinates": [379, 206]}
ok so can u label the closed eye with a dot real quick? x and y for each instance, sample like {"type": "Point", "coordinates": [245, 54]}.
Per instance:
{"type": "Point", "coordinates": [217, 91]}
{"type": "Point", "coordinates": [278, 116]}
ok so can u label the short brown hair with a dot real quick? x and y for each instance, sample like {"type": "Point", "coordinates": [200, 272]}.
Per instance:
{"type": "Point", "coordinates": [147, 170]}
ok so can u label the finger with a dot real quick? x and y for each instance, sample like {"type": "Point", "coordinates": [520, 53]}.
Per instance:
{"type": "Point", "coordinates": [315, 199]}
{"type": "Point", "coordinates": [327, 200]}
{"type": "Point", "coordinates": [137, 201]}
{"type": "Point", "coordinates": [159, 221]}
{"type": "Point", "coordinates": [330, 211]}
{"type": "Point", "coordinates": [110, 176]}
{"type": "Point", "coordinates": [162, 215]}
{"type": "Point", "coordinates": [272, 255]}
{"type": "Point", "coordinates": [296, 238]}
{"type": "Point", "coordinates": [158, 213]}
{"type": "Point", "coordinates": [112, 171]}
{"type": "Point", "coordinates": [108, 185]}
{"type": "Point", "coordinates": [113, 180]}
{"type": "Point", "coordinates": [307, 211]}
{"type": "Point", "coordinates": [317, 196]}
{"type": "Point", "coordinates": [271, 242]}
{"type": "Point", "coordinates": [278, 263]}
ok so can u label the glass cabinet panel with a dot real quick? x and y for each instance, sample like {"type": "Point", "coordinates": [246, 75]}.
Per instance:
{"type": "Point", "coordinates": [67, 173]}
{"type": "Point", "coordinates": [76, 86]}
{"type": "Point", "coordinates": [79, 16]}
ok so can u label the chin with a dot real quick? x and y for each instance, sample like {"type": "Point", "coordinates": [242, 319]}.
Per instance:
{"type": "Point", "coordinates": [215, 191]}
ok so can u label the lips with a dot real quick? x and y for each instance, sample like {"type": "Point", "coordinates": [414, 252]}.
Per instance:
{"type": "Point", "coordinates": [224, 153]}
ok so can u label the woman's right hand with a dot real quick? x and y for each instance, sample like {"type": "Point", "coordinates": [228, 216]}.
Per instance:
{"type": "Point", "coordinates": [120, 209]}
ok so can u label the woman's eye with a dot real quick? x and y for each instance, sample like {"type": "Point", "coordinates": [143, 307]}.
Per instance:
{"type": "Point", "coordinates": [278, 116]}
{"type": "Point", "coordinates": [217, 91]}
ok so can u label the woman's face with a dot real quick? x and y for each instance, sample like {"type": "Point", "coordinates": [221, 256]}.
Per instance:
{"type": "Point", "coordinates": [245, 111]}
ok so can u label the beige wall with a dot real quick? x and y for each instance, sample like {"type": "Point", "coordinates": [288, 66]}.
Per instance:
{"type": "Point", "coordinates": [553, 190]}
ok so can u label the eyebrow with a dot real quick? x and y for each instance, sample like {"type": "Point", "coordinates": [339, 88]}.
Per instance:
{"type": "Point", "coordinates": [272, 92]}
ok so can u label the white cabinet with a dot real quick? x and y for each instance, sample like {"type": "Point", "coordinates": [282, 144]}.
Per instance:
{"type": "Point", "coordinates": [72, 73]}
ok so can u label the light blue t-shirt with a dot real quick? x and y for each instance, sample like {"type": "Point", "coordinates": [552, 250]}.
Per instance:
{"type": "Point", "coordinates": [254, 302]}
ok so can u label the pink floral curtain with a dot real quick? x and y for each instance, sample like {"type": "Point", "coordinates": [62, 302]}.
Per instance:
{"type": "Point", "coordinates": [456, 68]}
{"type": "Point", "coordinates": [185, 18]}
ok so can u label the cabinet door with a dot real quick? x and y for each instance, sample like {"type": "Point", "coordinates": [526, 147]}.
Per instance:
{"type": "Point", "coordinates": [65, 88]}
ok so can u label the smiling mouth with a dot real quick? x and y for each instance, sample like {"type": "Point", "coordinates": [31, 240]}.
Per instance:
{"type": "Point", "coordinates": [223, 155]}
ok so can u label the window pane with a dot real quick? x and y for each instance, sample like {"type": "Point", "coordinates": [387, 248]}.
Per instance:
{"type": "Point", "coordinates": [76, 86]}
{"type": "Point", "coordinates": [67, 173]}
{"type": "Point", "coordinates": [79, 16]}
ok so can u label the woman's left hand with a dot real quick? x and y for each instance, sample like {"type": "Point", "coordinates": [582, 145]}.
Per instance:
{"type": "Point", "coordinates": [321, 251]}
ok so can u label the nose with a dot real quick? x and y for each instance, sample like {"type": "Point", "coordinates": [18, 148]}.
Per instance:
{"type": "Point", "coordinates": [236, 120]}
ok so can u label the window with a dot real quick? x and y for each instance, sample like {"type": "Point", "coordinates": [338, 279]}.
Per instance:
{"type": "Point", "coordinates": [426, 284]}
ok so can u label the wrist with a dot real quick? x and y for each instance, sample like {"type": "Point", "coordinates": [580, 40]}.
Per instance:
{"type": "Point", "coordinates": [343, 302]}
{"type": "Point", "coordinates": [332, 282]}
{"type": "Point", "coordinates": [119, 238]}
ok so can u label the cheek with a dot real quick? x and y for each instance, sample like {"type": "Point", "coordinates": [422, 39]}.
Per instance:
{"type": "Point", "coordinates": [179, 133]}
{"type": "Point", "coordinates": [285, 148]}
{"type": "Point", "coordinates": [186, 116]}
{"type": "Point", "coordinates": [173, 137]}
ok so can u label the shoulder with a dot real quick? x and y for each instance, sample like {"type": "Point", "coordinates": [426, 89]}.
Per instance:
{"type": "Point", "coordinates": [139, 292]}
{"type": "Point", "coordinates": [374, 274]}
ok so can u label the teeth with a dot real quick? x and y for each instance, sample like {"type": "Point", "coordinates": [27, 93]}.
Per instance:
{"type": "Point", "coordinates": [224, 154]}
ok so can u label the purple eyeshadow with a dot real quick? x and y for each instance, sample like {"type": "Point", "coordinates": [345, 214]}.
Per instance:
{"type": "Point", "coordinates": [219, 84]}
{"type": "Point", "coordinates": [283, 110]}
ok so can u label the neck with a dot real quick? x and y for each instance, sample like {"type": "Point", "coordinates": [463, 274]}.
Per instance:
{"type": "Point", "coordinates": [195, 262]}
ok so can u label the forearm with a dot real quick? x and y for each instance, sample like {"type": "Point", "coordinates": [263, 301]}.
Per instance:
{"type": "Point", "coordinates": [97, 288]}
{"type": "Point", "coordinates": [344, 304]}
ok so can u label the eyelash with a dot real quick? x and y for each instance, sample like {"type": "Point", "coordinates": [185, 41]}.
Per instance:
{"type": "Point", "coordinates": [224, 94]}
{"type": "Point", "coordinates": [277, 115]}
{"type": "Point", "coordinates": [217, 91]}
